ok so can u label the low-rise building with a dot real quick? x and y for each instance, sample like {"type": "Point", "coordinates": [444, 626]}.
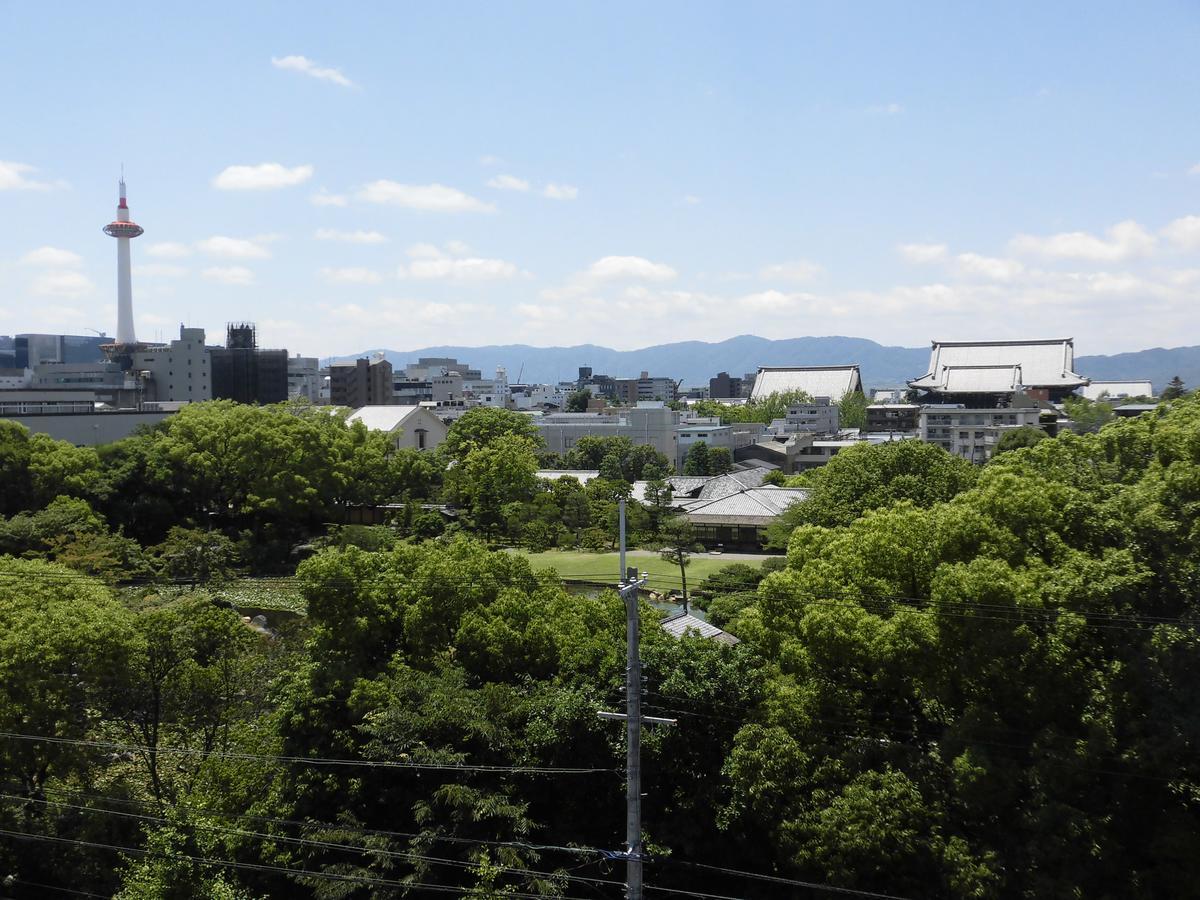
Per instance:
{"type": "Point", "coordinates": [973, 433]}
{"type": "Point", "coordinates": [1116, 390]}
{"type": "Point", "coordinates": [893, 417]}
{"type": "Point", "coordinates": [410, 427]}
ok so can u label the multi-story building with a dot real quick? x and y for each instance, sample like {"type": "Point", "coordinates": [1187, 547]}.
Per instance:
{"type": "Point", "coordinates": [821, 416]}
{"type": "Point", "coordinates": [361, 382]}
{"type": "Point", "coordinates": [973, 433]}
{"type": "Point", "coordinates": [893, 417]}
{"type": "Point", "coordinates": [304, 378]}
{"type": "Point", "coordinates": [724, 387]}
{"type": "Point", "coordinates": [644, 388]}
{"type": "Point", "coordinates": [178, 371]}
{"type": "Point", "coordinates": [244, 373]}
{"type": "Point", "coordinates": [31, 349]}
{"type": "Point", "coordinates": [647, 424]}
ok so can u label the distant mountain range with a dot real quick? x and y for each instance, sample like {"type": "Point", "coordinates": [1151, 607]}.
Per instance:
{"type": "Point", "coordinates": [696, 361]}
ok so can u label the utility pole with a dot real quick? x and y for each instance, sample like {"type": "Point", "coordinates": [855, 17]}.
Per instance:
{"type": "Point", "coordinates": [628, 586]}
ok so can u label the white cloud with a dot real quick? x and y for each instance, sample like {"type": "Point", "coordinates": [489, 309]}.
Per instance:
{"type": "Point", "coordinates": [800, 270]}
{"type": "Point", "coordinates": [350, 275]}
{"type": "Point", "coordinates": [430, 197]}
{"type": "Point", "coordinates": [308, 67]}
{"type": "Point", "coordinates": [160, 270]}
{"type": "Point", "coordinates": [923, 253]}
{"type": "Point", "coordinates": [691, 199]}
{"type": "Point", "coordinates": [234, 248]}
{"type": "Point", "coordinates": [614, 268]}
{"type": "Point", "coordinates": [560, 192]}
{"type": "Point", "coordinates": [14, 177]}
{"type": "Point", "coordinates": [430, 263]}
{"type": "Point", "coordinates": [238, 276]}
{"type": "Point", "coordinates": [169, 250]}
{"type": "Point", "coordinates": [886, 109]}
{"type": "Point", "coordinates": [350, 237]}
{"type": "Point", "coordinates": [541, 312]}
{"type": "Point", "coordinates": [988, 266]}
{"type": "Point", "coordinates": [508, 183]}
{"type": "Point", "coordinates": [1124, 240]}
{"type": "Point", "coordinates": [51, 256]}
{"type": "Point", "coordinates": [324, 198]}
{"type": "Point", "coordinates": [1184, 232]}
{"type": "Point", "coordinates": [1194, 170]}
{"type": "Point", "coordinates": [263, 177]}
{"type": "Point", "coordinates": [62, 284]}
{"type": "Point", "coordinates": [488, 160]}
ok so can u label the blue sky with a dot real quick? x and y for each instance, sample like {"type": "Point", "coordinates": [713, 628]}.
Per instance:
{"type": "Point", "coordinates": [353, 176]}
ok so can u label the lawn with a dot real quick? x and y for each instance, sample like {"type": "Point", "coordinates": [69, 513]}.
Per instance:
{"type": "Point", "coordinates": [605, 566]}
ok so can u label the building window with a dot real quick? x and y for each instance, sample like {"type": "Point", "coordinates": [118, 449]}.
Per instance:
{"type": "Point", "coordinates": [420, 433]}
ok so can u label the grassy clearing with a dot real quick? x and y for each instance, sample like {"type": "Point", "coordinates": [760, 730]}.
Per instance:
{"type": "Point", "coordinates": [605, 566]}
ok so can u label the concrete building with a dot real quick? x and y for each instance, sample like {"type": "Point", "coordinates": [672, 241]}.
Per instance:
{"type": "Point", "coordinates": [178, 371]}
{"type": "Point", "coordinates": [816, 381]}
{"type": "Point", "coordinates": [893, 417]}
{"type": "Point", "coordinates": [988, 373]}
{"type": "Point", "coordinates": [72, 416]}
{"type": "Point", "coordinates": [31, 349]}
{"type": "Point", "coordinates": [244, 373]}
{"type": "Point", "coordinates": [1116, 390]}
{"type": "Point", "coordinates": [724, 386]}
{"type": "Point", "coordinates": [304, 378]}
{"type": "Point", "coordinates": [631, 391]}
{"type": "Point", "coordinates": [819, 417]}
{"type": "Point", "coordinates": [973, 433]}
{"type": "Point", "coordinates": [410, 427]}
{"type": "Point", "coordinates": [361, 382]}
{"type": "Point", "coordinates": [647, 424]}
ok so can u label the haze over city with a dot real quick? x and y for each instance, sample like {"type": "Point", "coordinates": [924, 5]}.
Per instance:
{"type": "Point", "coordinates": [617, 174]}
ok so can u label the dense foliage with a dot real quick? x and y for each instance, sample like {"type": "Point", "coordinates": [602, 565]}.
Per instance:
{"type": "Point", "coordinates": [962, 683]}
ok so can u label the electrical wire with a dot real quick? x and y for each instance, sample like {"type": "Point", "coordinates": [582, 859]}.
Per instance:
{"type": "Point", "coordinates": [307, 760]}
{"type": "Point", "coordinates": [262, 867]}
{"type": "Point", "coordinates": [310, 842]}
{"type": "Point", "coordinates": [828, 888]}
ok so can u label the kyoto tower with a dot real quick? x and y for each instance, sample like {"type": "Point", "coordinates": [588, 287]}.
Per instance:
{"type": "Point", "coordinates": [123, 230]}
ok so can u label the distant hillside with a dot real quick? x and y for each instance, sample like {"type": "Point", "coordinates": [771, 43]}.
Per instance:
{"type": "Point", "coordinates": [696, 361]}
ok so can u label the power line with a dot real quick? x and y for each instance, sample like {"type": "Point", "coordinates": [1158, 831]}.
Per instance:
{"type": "Point", "coordinates": [807, 884]}
{"type": "Point", "coordinates": [308, 760]}
{"type": "Point", "coordinates": [795, 882]}
{"type": "Point", "coordinates": [262, 867]}
{"type": "Point", "coordinates": [311, 842]}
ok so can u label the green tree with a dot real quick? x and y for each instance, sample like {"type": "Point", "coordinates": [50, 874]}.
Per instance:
{"type": "Point", "coordinates": [65, 647]}
{"type": "Point", "coordinates": [1088, 415]}
{"type": "Point", "coordinates": [871, 476]}
{"type": "Point", "coordinates": [577, 401]}
{"type": "Point", "coordinates": [1174, 389]}
{"type": "Point", "coordinates": [483, 426]}
{"type": "Point", "coordinates": [1014, 439]}
{"type": "Point", "coordinates": [852, 410]}
{"type": "Point", "coordinates": [679, 543]}
{"type": "Point", "coordinates": [490, 476]}
{"type": "Point", "coordinates": [16, 488]}
{"type": "Point", "coordinates": [775, 478]}
{"type": "Point", "coordinates": [196, 556]}
{"type": "Point", "coordinates": [720, 460]}
{"type": "Point", "coordinates": [696, 461]}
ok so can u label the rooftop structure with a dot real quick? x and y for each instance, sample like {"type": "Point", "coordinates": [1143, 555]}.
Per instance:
{"type": "Point", "coordinates": [966, 369]}
{"type": "Point", "coordinates": [816, 381]}
{"type": "Point", "coordinates": [1117, 390]}
{"type": "Point", "coordinates": [411, 427]}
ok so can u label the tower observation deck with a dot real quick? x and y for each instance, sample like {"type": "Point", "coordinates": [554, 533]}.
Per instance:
{"type": "Point", "coordinates": [124, 229]}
